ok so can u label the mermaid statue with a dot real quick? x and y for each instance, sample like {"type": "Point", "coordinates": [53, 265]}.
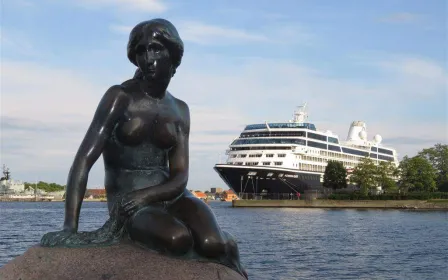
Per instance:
{"type": "Point", "coordinates": [143, 131]}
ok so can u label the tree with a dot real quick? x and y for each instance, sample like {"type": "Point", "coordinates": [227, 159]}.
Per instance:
{"type": "Point", "coordinates": [417, 174]}
{"type": "Point", "coordinates": [47, 187]}
{"type": "Point", "coordinates": [335, 176]}
{"type": "Point", "coordinates": [365, 175]}
{"type": "Point", "coordinates": [386, 172]}
{"type": "Point", "coordinates": [438, 157]}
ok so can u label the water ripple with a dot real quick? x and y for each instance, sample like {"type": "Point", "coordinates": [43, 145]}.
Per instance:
{"type": "Point", "coordinates": [283, 244]}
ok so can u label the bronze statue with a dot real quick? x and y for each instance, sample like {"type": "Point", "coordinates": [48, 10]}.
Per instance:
{"type": "Point", "coordinates": [142, 131]}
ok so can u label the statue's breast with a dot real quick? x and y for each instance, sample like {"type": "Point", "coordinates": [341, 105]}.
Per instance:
{"type": "Point", "coordinates": [132, 132]}
{"type": "Point", "coordinates": [159, 129]}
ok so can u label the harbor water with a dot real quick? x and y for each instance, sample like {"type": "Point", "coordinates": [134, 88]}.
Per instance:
{"type": "Point", "coordinates": [278, 243]}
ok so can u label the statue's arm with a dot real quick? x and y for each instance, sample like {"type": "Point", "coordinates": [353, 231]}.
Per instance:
{"type": "Point", "coordinates": [108, 112]}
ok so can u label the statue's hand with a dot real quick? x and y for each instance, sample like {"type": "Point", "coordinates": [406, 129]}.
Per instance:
{"type": "Point", "coordinates": [55, 238]}
{"type": "Point", "coordinates": [133, 201]}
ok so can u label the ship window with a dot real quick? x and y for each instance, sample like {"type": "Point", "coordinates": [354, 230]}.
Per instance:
{"type": "Point", "coordinates": [260, 148]}
{"type": "Point", "coordinates": [266, 163]}
{"type": "Point", "coordinates": [333, 140]}
{"type": "Point", "coordinates": [255, 155]}
{"type": "Point", "coordinates": [281, 125]}
{"type": "Point", "coordinates": [317, 145]}
{"type": "Point", "coordinates": [268, 141]}
{"type": "Point", "coordinates": [255, 126]}
{"type": "Point", "coordinates": [355, 152]}
{"type": "Point", "coordinates": [251, 163]}
{"type": "Point", "coordinates": [281, 155]}
{"type": "Point", "coordinates": [233, 156]}
{"type": "Point", "coordinates": [242, 155]}
{"type": "Point", "coordinates": [384, 151]}
{"type": "Point", "coordinates": [269, 155]}
{"type": "Point", "coordinates": [273, 134]}
{"type": "Point", "coordinates": [334, 148]}
{"type": "Point", "coordinates": [278, 163]}
{"type": "Point", "coordinates": [317, 136]}
{"type": "Point", "coordinates": [385, 158]}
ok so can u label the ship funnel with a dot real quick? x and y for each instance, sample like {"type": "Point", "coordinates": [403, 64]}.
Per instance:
{"type": "Point", "coordinates": [357, 132]}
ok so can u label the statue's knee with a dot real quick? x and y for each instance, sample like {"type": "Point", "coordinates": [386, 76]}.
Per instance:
{"type": "Point", "coordinates": [179, 242]}
{"type": "Point", "coordinates": [212, 247]}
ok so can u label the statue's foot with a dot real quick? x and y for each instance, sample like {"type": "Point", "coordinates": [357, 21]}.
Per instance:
{"type": "Point", "coordinates": [108, 234]}
{"type": "Point", "coordinates": [55, 238]}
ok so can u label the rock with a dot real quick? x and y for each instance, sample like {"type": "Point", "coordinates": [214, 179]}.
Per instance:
{"type": "Point", "coordinates": [122, 261]}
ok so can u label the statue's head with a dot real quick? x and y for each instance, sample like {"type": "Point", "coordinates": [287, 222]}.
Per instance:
{"type": "Point", "coordinates": [155, 48]}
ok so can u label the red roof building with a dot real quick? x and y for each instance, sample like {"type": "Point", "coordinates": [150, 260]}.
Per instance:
{"type": "Point", "coordinates": [199, 194]}
{"type": "Point", "coordinates": [95, 193]}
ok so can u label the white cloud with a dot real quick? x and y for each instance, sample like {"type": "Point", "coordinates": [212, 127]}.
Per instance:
{"type": "Point", "coordinates": [202, 33]}
{"type": "Point", "coordinates": [418, 68]}
{"type": "Point", "coordinates": [155, 6]}
{"type": "Point", "coordinates": [124, 29]}
{"type": "Point", "coordinates": [256, 90]}
{"type": "Point", "coordinates": [208, 34]}
{"type": "Point", "coordinates": [16, 41]}
{"type": "Point", "coordinates": [46, 111]}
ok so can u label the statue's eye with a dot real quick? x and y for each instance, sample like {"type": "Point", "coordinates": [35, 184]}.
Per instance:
{"type": "Point", "coordinates": [156, 48]}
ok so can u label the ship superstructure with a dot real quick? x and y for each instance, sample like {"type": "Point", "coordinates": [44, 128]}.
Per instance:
{"type": "Point", "coordinates": [291, 157]}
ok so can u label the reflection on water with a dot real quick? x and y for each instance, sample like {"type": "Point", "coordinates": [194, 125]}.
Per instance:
{"type": "Point", "coordinates": [284, 243]}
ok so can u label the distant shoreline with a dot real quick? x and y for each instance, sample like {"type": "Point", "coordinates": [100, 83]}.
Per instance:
{"type": "Point", "coordinates": [433, 204]}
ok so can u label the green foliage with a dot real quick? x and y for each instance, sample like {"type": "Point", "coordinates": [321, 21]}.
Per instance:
{"type": "Point", "coordinates": [47, 187]}
{"type": "Point", "coordinates": [386, 171]}
{"type": "Point", "coordinates": [438, 157]}
{"type": "Point", "coordinates": [335, 176]}
{"type": "Point", "coordinates": [389, 196]}
{"type": "Point", "coordinates": [417, 175]}
{"type": "Point", "coordinates": [365, 175]}
{"type": "Point", "coordinates": [368, 176]}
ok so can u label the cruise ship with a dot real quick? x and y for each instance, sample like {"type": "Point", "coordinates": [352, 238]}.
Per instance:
{"type": "Point", "coordinates": [290, 157]}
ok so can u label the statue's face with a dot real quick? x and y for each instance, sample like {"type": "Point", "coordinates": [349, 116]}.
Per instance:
{"type": "Point", "coordinates": [153, 58]}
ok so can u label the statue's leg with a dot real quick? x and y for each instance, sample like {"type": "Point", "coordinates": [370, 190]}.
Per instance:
{"type": "Point", "coordinates": [159, 230]}
{"type": "Point", "coordinates": [209, 240]}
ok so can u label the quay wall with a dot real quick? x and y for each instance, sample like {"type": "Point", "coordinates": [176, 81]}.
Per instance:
{"type": "Point", "coordinates": [434, 204]}
{"type": "Point", "coordinates": [4, 199]}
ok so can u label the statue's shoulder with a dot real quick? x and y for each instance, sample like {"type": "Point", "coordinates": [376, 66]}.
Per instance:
{"type": "Point", "coordinates": [116, 92]}
{"type": "Point", "coordinates": [129, 84]}
{"type": "Point", "coordinates": [183, 107]}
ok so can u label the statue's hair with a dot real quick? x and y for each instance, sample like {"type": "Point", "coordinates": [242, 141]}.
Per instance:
{"type": "Point", "coordinates": [170, 39]}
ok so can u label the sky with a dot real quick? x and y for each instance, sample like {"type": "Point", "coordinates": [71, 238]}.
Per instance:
{"type": "Point", "coordinates": [383, 62]}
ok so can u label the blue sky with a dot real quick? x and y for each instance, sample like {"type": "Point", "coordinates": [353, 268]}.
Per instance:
{"type": "Point", "coordinates": [383, 62]}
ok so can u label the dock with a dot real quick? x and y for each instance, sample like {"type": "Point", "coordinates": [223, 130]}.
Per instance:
{"type": "Point", "coordinates": [434, 204]}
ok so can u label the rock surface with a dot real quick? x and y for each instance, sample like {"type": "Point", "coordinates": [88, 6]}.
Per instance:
{"type": "Point", "coordinates": [115, 262]}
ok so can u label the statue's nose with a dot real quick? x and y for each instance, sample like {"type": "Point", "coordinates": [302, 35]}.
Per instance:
{"type": "Point", "coordinates": [150, 58]}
